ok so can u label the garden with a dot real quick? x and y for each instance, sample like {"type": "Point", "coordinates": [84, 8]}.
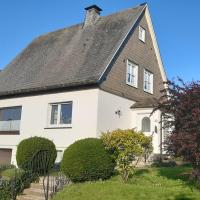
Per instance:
{"type": "Point", "coordinates": [107, 167]}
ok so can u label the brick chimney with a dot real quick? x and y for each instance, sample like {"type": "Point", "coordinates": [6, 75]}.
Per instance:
{"type": "Point", "coordinates": [92, 15]}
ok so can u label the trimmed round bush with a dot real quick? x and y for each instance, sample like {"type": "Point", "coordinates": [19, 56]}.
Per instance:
{"type": "Point", "coordinates": [87, 160]}
{"type": "Point", "coordinates": [36, 153]}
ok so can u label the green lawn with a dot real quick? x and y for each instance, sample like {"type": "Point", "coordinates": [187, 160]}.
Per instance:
{"type": "Point", "coordinates": [8, 173]}
{"type": "Point", "coordinates": [147, 184]}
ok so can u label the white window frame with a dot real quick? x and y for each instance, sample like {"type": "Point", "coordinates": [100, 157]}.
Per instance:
{"type": "Point", "coordinates": [58, 124]}
{"type": "Point", "coordinates": [149, 81]}
{"type": "Point", "coordinates": [134, 73]}
{"type": "Point", "coordinates": [142, 34]}
{"type": "Point", "coordinates": [142, 121]}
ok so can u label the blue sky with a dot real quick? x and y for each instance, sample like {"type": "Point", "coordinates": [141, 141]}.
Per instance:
{"type": "Point", "coordinates": [176, 22]}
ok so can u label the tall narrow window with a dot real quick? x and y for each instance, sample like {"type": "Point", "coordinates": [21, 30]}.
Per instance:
{"type": "Point", "coordinates": [146, 124]}
{"type": "Point", "coordinates": [132, 74]}
{"type": "Point", "coordinates": [66, 114]}
{"type": "Point", "coordinates": [142, 34]}
{"type": "Point", "coordinates": [54, 114]}
{"type": "Point", "coordinates": [148, 81]}
{"type": "Point", "coordinates": [61, 114]}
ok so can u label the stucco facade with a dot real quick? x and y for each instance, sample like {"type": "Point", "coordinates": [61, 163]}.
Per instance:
{"type": "Point", "coordinates": [34, 118]}
{"type": "Point", "coordinates": [94, 111]}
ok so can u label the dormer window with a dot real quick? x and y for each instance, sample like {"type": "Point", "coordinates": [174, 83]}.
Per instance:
{"type": "Point", "coordinates": [142, 34]}
{"type": "Point", "coordinates": [132, 74]}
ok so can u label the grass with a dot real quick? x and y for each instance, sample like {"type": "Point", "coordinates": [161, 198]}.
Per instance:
{"type": "Point", "coordinates": [147, 184]}
{"type": "Point", "coordinates": [8, 173]}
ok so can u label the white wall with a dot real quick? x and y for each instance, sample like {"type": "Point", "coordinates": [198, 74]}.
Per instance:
{"type": "Point", "coordinates": [93, 112]}
{"type": "Point", "coordinates": [108, 104]}
{"type": "Point", "coordinates": [108, 120]}
{"type": "Point", "coordinates": [34, 118]}
{"type": "Point", "coordinates": [138, 115]}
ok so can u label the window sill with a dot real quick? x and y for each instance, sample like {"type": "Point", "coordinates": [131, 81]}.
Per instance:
{"type": "Point", "coordinates": [148, 92]}
{"type": "Point", "coordinates": [59, 127]}
{"type": "Point", "coordinates": [131, 85]}
{"type": "Point", "coordinates": [142, 41]}
{"type": "Point", "coordinates": [9, 133]}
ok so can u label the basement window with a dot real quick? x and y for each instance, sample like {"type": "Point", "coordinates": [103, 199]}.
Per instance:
{"type": "Point", "coordinates": [142, 34]}
{"type": "Point", "coordinates": [60, 114]}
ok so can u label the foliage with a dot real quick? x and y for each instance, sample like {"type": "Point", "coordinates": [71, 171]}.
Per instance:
{"type": "Point", "coordinates": [5, 192]}
{"type": "Point", "coordinates": [28, 150]}
{"type": "Point", "coordinates": [147, 184]}
{"type": "Point", "coordinates": [87, 160]}
{"type": "Point", "coordinates": [9, 189]}
{"type": "Point", "coordinates": [180, 106]}
{"type": "Point", "coordinates": [126, 146]}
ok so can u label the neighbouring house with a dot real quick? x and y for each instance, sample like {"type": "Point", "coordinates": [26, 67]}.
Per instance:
{"type": "Point", "coordinates": [99, 75]}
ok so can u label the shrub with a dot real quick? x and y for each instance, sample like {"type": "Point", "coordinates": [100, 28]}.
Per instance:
{"type": "Point", "coordinates": [30, 154]}
{"type": "Point", "coordinates": [87, 160]}
{"type": "Point", "coordinates": [9, 189]}
{"type": "Point", "coordinates": [5, 190]}
{"type": "Point", "coordinates": [126, 146]}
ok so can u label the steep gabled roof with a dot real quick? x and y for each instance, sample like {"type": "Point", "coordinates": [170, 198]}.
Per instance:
{"type": "Point", "coordinates": [73, 56]}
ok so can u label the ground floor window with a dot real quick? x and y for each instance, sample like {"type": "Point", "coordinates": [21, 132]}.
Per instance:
{"type": "Point", "coordinates": [60, 114]}
{"type": "Point", "coordinates": [10, 118]}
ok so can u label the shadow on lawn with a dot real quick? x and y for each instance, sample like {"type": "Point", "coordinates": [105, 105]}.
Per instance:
{"type": "Point", "coordinates": [179, 172]}
{"type": "Point", "coordinates": [183, 197]}
{"type": "Point", "coordinates": [141, 172]}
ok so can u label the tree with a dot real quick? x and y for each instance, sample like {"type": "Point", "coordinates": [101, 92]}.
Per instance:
{"type": "Point", "coordinates": [181, 111]}
{"type": "Point", "coordinates": [125, 147]}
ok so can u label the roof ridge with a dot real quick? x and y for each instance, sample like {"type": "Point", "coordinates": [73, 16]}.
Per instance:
{"type": "Point", "coordinates": [124, 10]}
{"type": "Point", "coordinates": [81, 23]}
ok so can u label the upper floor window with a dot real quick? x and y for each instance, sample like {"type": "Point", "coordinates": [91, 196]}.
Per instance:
{"type": "Point", "coordinates": [142, 34]}
{"type": "Point", "coordinates": [132, 74]}
{"type": "Point", "coordinates": [61, 114]}
{"type": "Point", "coordinates": [148, 81]}
{"type": "Point", "coordinates": [10, 118]}
{"type": "Point", "coordinates": [146, 124]}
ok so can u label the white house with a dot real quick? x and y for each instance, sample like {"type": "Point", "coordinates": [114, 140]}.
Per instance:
{"type": "Point", "coordinates": [77, 82]}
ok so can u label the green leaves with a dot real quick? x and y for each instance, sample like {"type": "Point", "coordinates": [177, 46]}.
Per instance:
{"type": "Point", "coordinates": [126, 146]}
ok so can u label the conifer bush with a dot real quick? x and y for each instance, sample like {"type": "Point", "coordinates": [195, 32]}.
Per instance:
{"type": "Point", "coordinates": [28, 151]}
{"type": "Point", "coordinates": [87, 160]}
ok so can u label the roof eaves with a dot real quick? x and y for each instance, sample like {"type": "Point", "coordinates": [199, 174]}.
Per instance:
{"type": "Point", "coordinates": [48, 88]}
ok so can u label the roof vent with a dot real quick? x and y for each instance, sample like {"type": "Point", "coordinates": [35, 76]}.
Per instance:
{"type": "Point", "coordinates": [92, 15]}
